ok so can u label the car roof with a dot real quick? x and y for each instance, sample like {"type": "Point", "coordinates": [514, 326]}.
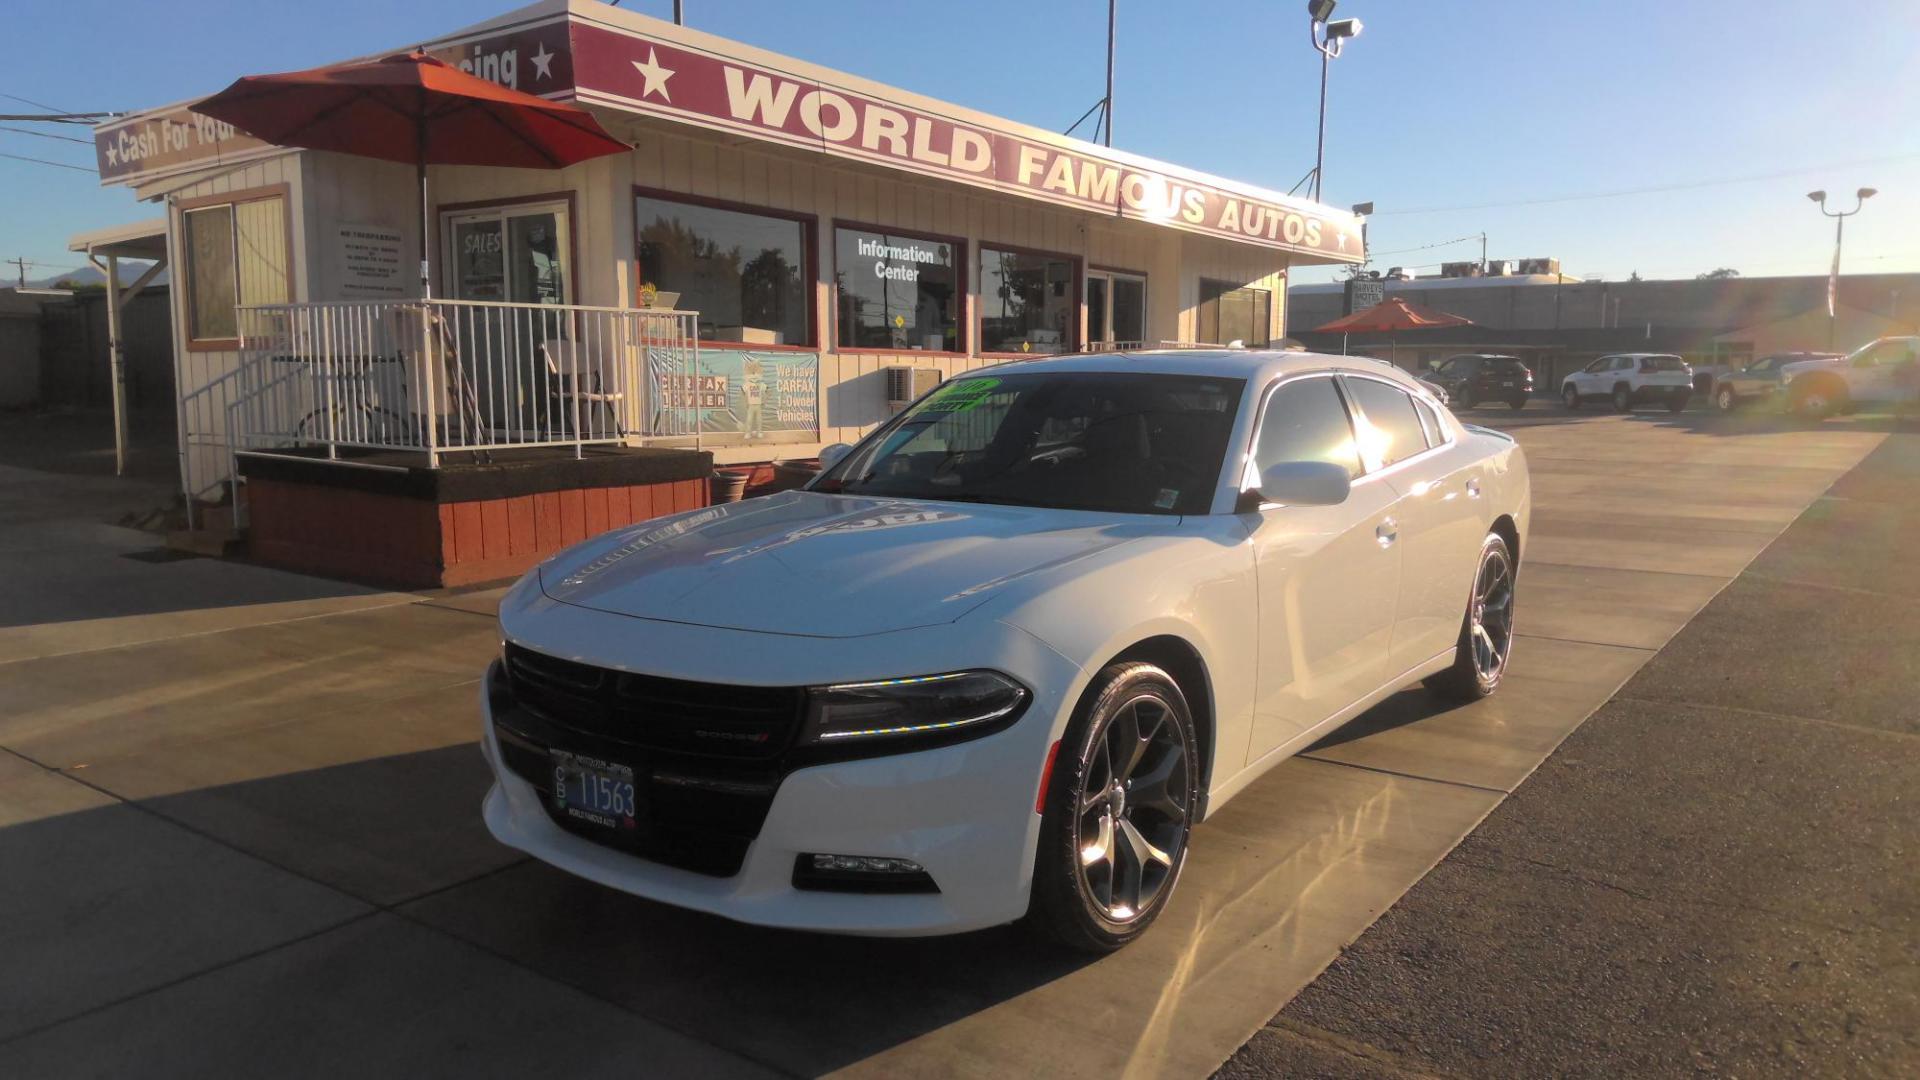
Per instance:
{"type": "Point", "coordinates": [1257, 366]}
{"type": "Point", "coordinates": [1482, 356]}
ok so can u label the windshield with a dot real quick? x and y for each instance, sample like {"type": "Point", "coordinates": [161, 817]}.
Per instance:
{"type": "Point", "coordinates": [1115, 441]}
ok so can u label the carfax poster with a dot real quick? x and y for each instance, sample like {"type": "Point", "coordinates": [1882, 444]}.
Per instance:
{"type": "Point", "coordinates": [767, 396]}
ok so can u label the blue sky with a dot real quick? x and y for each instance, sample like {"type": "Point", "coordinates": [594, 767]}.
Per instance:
{"type": "Point", "coordinates": [1492, 105]}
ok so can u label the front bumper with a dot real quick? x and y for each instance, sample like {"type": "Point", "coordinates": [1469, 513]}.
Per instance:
{"type": "Point", "coordinates": [965, 812]}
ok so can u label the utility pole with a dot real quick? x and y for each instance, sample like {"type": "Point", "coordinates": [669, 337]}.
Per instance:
{"type": "Point", "coordinates": [22, 264]}
{"type": "Point", "coordinates": [1107, 113]}
{"type": "Point", "coordinates": [679, 13]}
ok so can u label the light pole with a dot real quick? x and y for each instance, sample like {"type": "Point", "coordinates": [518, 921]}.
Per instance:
{"type": "Point", "coordinates": [1839, 217]}
{"type": "Point", "coordinates": [1327, 38]}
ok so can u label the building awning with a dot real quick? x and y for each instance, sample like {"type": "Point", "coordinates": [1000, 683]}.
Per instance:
{"type": "Point", "coordinates": [146, 240]}
{"type": "Point", "coordinates": [627, 63]}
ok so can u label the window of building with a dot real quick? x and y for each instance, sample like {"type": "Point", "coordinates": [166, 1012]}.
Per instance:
{"type": "Point", "coordinates": [1305, 421]}
{"type": "Point", "coordinates": [1229, 313]}
{"type": "Point", "coordinates": [1389, 427]}
{"type": "Point", "coordinates": [1116, 308]}
{"type": "Point", "coordinates": [747, 274]}
{"type": "Point", "coordinates": [1028, 302]}
{"type": "Point", "coordinates": [236, 254]}
{"type": "Point", "coordinates": [515, 253]}
{"type": "Point", "coordinates": [895, 291]}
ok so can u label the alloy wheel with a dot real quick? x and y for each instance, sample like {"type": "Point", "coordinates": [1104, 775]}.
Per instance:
{"type": "Point", "coordinates": [1725, 399]}
{"type": "Point", "coordinates": [1130, 819]}
{"type": "Point", "coordinates": [1490, 623]}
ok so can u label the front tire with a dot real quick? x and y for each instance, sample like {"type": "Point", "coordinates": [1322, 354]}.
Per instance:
{"type": "Point", "coordinates": [1622, 399]}
{"type": "Point", "coordinates": [1119, 811]}
{"type": "Point", "coordinates": [1725, 399]}
{"type": "Point", "coordinates": [1486, 633]}
{"type": "Point", "coordinates": [1571, 397]}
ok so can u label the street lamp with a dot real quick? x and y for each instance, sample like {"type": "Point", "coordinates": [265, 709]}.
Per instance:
{"type": "Point", "coordinates": [1328, 38]}
{"type": "Point", "coordinates": [1839, 217]}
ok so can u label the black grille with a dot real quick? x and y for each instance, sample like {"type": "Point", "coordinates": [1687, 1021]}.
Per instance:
{"type": "Point", "coordinates": [672, 715]}
{"type": "Point", "coordinates": [702, 754]}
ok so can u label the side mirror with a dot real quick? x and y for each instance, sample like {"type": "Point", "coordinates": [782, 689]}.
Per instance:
{"type": "Point", "coordinates": [833, 454]}
{"type": "Point", "coordinates": [1304, 483]}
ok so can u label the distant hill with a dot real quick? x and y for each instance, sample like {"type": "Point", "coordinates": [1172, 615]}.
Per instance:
{"type": "Point", "coordinates": [129, 272]}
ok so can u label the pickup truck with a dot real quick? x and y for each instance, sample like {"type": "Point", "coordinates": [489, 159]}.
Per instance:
{"type": "Point", "coordinates": [1882, 372]}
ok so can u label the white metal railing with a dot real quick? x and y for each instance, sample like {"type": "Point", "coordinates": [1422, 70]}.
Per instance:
{"type": "Point", "coordinates": [439, 376]}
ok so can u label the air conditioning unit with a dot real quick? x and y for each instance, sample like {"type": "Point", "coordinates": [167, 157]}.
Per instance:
{"type": "Point", "coordinates": [1540, 266]}
{"type": "Point", "coordinates": [906, 384]}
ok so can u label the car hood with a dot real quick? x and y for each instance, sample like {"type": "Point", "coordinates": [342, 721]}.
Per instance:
{"type": "Point", "coordinates": [826, 565]}
{"type": "Point", "coordinates": [1798, 366]}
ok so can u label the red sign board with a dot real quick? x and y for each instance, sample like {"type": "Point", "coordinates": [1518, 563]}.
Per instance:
{"type": "Point", "coordinates": [658, 77]}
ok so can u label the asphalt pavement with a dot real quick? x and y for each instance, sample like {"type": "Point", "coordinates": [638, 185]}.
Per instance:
{"type": "Point", "coordinates": [1716, 874]}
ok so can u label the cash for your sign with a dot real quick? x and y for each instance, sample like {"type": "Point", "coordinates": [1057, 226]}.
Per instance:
{"type": "Point", "coordinates": [883, 254]}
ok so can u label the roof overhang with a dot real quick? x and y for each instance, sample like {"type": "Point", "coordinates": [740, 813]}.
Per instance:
{"type": "Point", "coordinates": [592, 53]}
{"type": "Point", "coordinates": [140, 240]}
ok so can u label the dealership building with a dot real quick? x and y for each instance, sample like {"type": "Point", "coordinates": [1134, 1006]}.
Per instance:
{"type": "Point", "coordinates": [837, 245]}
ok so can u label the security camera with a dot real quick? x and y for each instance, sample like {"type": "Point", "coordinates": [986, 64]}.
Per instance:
{"type": "Point", "coordinates": [1344, 28]}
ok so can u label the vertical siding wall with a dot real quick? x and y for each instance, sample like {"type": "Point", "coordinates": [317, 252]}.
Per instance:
{"type": "Point", "coordinates": [852, 388]}
{"type": "Point", "coordinates": [206, 467]}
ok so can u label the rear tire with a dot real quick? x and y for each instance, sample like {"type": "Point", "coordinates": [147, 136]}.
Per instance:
{"type": "Point", "coordinates": [1677, 403]}
{"type": "Point", "coordinates": [1140, 811]}
{"type": "Point", "coordinates": [1486, 631]}
{"type": "Point", "coordinates": [1518, 403]}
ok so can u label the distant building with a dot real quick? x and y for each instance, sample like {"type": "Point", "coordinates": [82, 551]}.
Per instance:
{"type": "Point", "coordinates": [1558, 323]}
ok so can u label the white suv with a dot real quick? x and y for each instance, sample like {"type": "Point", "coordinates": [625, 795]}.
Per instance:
{"type": "Point", "coordinates": [1886, 371]}
{"type": "Point", "coordinates": [1629, 379]}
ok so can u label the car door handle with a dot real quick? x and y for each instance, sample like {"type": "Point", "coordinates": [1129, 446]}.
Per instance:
{"type": "Point", "coordinates": [1387, 532]}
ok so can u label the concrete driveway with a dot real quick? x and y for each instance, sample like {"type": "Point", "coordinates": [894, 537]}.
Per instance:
{"type": "Point", "coordinates": [238, 814]}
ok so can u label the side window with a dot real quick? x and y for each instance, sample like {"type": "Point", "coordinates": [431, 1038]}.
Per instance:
{"type": "Point", "coordinates": [1430, 423]}
{"type": "Point", "coordinates": [1389, 429]}
{"type": "Point", "coordinates": [1307, 421]}
{"type": "Point", "coordinates": [1599, 365]}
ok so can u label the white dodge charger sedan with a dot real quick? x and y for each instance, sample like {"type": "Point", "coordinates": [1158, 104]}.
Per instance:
{"type": "Point", "coordinates": [998, 659]}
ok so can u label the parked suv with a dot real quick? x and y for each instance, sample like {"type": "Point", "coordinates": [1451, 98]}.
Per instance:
{"type": "Point", "coordinates": [1886, 371]}
{"type": "Point", "coordinates": [1762, 379]}
{"type": "Point", "coordinates": [1472, 378]}
{"type": "Point", "coordinates": [1629, 379]}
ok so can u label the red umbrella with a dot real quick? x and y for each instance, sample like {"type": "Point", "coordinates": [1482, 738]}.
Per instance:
{"type": "Point", "coordinates": [414, 109]}
{"type": "Point", "coordinates": [1390, 316]}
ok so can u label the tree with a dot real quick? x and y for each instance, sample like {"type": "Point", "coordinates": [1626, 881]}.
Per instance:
{"type": "Point", "coordinates": [1719, 274]}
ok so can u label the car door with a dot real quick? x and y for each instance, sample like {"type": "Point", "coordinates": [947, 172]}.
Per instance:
{"type": "Point", "coordinates": [1439, 516]}
{"type": "Point", "coordinates": [1588, 379]}
{"type": "Point", "coordinates": [1328, 577]}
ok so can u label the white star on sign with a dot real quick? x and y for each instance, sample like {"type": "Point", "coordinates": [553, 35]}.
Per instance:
{"type": "Point", "coordinates": [655, 75]}
{"type": "Point", "coordinates": [113, 154]}
{"type": "Point", "coordinates": [1342, 237]}
{"type": "Point", "coordinates": [542, 63]}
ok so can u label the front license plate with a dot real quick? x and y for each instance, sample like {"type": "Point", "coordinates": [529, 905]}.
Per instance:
{"type": "Point", "coordinates": [593, 791]}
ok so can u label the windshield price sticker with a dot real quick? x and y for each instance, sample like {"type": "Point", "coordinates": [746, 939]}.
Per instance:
{"type": "Point", "coordinates": [960, 396]}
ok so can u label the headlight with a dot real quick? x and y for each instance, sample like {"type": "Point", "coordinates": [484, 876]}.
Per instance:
{"type": "Point", "coordinates": [926, 705]}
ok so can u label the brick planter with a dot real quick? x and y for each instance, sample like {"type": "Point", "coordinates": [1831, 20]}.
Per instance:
{"type": "Point", "coordinates": [414, 528]}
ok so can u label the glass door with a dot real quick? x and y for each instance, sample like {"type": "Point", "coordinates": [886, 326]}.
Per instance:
{"type": "Point", "coordinates": [1116, 309]}
{"type": "Point", "coordinates": [508, 256]}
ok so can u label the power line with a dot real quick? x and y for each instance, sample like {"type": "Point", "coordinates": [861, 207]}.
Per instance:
{"type": "Point", "coordinates": [30, 101]}
{"type": "Point", "coordinates": [1655, 189]}
{"type": "Point", "coordinates": [45, 135]}
{"type": "Point", "coordinates": [44, 161]}
{"type": "Point", "coordinates": [1426, 247]}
